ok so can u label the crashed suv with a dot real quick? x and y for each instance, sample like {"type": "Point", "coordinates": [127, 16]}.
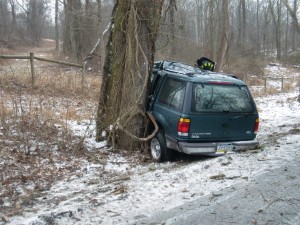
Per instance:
{"type": "Point", "coordinates": [200, 112]}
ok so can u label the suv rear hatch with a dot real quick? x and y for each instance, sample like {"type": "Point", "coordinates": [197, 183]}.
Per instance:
{"type": "Point", "coordinates": [222, 111]}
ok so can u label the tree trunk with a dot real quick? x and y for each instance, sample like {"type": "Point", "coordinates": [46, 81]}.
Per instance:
{"type": "Point", "coordinates": [99, 34]}
{"type": "Point", "coordinates": [129, 60]}
{"type": "Point", "coordinates": [72, 44]}
{"type": "Point", "coordinates": [212, 30]}
{"type": "Point", "coordinates": [277, 23]}
{"type": "Point", "coordinates": [293, 13]}
{"type": "Point", "coordinates": [172, 26]}
{"type": "Point", "coordinates": [225, 34]}
{"type": "Point", "coordinates": [198, 21]}
{"type": "Point", "coordinates": [56, 26]}
{"type": "Point", "coordinates": [286, 33]}
{"type": "Point", "coordinates": [244, 28]}
{"type": "Point", "coordinates": [97, 48]}
{"type": "Point", "coordinates": [14, 20]}
{"type": "Point", "coordinates": [293, 27]}
{"type": "Point", "coordinates": [242, 24]}
{"type": "Point", "coordinates": [258, 26]}
{"type": "Point", "coordinates": [265, 29]}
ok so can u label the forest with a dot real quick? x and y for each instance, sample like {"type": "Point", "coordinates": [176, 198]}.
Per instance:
{"type": "Point", "coordinates": [187, 29]}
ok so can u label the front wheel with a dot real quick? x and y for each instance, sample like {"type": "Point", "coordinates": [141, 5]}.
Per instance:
{"type": "Point", "coordinates": [159, 150]}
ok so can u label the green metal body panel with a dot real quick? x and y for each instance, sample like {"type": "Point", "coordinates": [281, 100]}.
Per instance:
{"type": "Point", "coordinates": [205, 127]}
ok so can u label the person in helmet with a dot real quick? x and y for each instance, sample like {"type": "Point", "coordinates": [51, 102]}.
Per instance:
{"type": "Point", "coordinates": [206, 64]}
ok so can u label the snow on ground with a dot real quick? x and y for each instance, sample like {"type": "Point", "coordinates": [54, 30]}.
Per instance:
{"type": "Point", "coordinates": [136, 191]}
{"type": "Point", "coordinates": [276, 70]}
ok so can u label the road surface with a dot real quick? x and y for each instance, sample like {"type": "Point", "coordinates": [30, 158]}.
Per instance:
{"type": "Point", "coordinates": [272, 198]}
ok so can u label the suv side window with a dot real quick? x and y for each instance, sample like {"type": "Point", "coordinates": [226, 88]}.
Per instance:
{"type": "Point", "coordinates": [172, 93]}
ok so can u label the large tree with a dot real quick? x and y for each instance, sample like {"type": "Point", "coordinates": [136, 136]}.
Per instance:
{"type": "Point", "coordinates": [128, 63]}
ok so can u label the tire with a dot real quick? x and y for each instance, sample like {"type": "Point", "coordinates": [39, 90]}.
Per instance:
{"type": "Point", "coordinates": [158, 148]}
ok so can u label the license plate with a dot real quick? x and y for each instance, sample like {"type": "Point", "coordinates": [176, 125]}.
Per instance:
{"type": "Point", "coordinates": [224, 148]}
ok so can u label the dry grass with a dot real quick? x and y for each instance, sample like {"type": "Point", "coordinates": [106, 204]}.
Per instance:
{"type": "Point", "coordinates": [50, 80]}
{"type": "Point", "coordinates": [254, 81]}
{"type": "Point", "coordinates": [37, 147]}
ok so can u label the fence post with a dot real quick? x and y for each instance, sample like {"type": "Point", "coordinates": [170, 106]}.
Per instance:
{"type": "Point", "coordinates": [32, 69]}
{"type": "Point", "coordinates": [265, 84]}
{"type": "Point", "coordinates": [281, 83]}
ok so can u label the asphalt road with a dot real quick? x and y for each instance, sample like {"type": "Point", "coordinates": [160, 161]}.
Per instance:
{"type": "Point", "coordinates": [272, 198]}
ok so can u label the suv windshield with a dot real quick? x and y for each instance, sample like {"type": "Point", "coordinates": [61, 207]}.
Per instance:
{"type": "Point", "coordinates": [220, 98]}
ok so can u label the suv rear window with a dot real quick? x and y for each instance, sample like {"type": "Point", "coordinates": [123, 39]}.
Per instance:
{"type": "Point", "coordinates": [221, 98]}
{"type": "Point", "coordinates": [172, 93]}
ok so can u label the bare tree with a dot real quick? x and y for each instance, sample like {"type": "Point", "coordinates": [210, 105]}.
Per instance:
{"type": "Point", "coordinates": [225, 34]}
{"type": "Point", "coordinates": [56, 26]}
{"type": "Point", "coordinates": [266, 25]}
{"type": "Point", "coordinates": [277, 22]}
{"type": "Point", "coordinates": [129, 60]}
{"type": "Point", "coordinates": [198, 25]}
{"type": "Point", "coordinates": [97, 48]}
{"type": "Point", "coordinates": [258, 25]}
{"type": "Point", "coordinates": [81, 27]}
{"type": "Point", "coordinates": [212, 29]}
{"type": "Point", "coordinates": [72, 44]}
{"type": "Point", "coordinates": [13, 29]}
{"type": "Point", "coordinates": [4, 20]}
{"type": "Point", "coordinates": [286, 32]}
{"type": "Point", "coordinates": [23, 20]}
{"type": "Point", "coordinates": [36, 17]}
{"type": "Point", "coordinates": [293, 13]}
{"type": "Point", "coordinates": [244, 26]}
{"type": "Point", "coordinates": [172, 8]}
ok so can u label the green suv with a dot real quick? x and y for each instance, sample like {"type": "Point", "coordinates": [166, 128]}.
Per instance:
{"type": "Point", "coordinates": [200, 112]}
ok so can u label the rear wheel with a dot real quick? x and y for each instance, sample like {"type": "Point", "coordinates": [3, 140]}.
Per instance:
{"type": "Point", "coordinates": [159, 150]}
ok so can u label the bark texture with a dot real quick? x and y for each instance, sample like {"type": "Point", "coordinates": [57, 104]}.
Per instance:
{"type": "Point", "coordinates": [128, 63]}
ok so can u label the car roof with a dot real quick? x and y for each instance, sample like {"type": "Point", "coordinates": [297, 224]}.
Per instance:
{"type": "Point", "coordinates": [194, 74]}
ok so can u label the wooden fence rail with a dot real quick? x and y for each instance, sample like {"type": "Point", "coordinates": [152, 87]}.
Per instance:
{"type": "Point", "coordinates": [31, 57]}
{"type": "Point", "coordinates": [279, 79]}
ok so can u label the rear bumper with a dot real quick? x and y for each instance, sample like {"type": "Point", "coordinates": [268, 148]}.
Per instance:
{"type": "Point", "coordinates": [209, 148]}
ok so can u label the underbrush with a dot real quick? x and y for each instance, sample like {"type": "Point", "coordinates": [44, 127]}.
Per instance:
{"type": "Point", "coordinates": [37, 145]}
{"type": "Point", "coordinates": [50, 81]}
{"type": "Point", "coordinates": [47, 131]}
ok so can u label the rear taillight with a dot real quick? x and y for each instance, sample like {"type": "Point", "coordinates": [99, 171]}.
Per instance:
{"type": "Point", "coordinates": [183, 126]}
{"type": "Point", "coordinates": [256, 126]}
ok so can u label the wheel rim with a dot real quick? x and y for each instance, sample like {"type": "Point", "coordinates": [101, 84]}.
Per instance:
{"type": "Point", "coordinates": [155, 149]}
